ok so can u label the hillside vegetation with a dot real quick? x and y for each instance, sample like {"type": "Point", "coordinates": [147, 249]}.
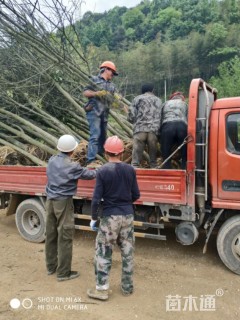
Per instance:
{"type": "Point", "coordinates": [172, 40]}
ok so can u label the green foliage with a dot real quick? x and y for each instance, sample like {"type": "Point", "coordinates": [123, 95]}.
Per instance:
{"type": "Point", "coordinates": [228, 81]}
{"type": "Point", "coordinates": [132, 18]}
{"type": "Point", "coordinates": [224, 52]}
{"type": "Point", "coordinates": [172, 18]}
{"type": "Point", "coordinates": [216, 33]}
{"type": "Point", "coordinates": [130, 33]}
{"type": "Point", "coordinates": [166, 16]}
{"type": "Point", "coordinates": [162, 41]}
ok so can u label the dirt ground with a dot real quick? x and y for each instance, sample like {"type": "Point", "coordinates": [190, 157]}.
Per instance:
{"type": "Point", "coordinates": [171, 282]}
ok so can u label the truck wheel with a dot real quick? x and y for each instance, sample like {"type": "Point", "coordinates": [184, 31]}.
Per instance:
{"type": "Point", "coordinates": [228, 244]}
{"type": "Point", "coordinates": [30, 220]}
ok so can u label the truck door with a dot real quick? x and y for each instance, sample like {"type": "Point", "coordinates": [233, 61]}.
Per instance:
{"type": "Point", "coordinates": [229, 155]}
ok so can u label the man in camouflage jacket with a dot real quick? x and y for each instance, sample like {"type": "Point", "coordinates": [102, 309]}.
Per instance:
{"type": "Point", "coordinates": [145, 114]}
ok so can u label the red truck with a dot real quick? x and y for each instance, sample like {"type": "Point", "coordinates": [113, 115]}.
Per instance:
{"type": "Point", "coordinates": [205, 196]}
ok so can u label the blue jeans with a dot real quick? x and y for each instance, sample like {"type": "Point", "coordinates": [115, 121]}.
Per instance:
{"type": "Point", "coordinates": [98, 130]}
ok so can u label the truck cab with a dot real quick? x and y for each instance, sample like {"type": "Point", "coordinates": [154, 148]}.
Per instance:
{"type": "Point", "coordinates": [224, 164]}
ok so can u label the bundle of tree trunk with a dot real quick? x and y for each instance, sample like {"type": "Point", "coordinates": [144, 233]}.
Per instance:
{"type": "Point", "coordinates": [43, 71]}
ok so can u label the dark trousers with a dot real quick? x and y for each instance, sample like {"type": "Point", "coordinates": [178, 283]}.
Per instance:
{"type": "Point", "coordinates": [140, 139]}
{"type": "Point", "coordinates": [173, 133]}
{"type": "Point", "coordinates": [59, 236]}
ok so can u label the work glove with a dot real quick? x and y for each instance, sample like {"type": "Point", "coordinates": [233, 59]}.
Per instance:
{"type": "Point", "coordinates": [102, 93]}
{"type": "Point", "coordinates": [117, 96]}
{"type": "Point", "coordinates": [93, 225]}
{"type": "Point", "coordinates": [104, 96]}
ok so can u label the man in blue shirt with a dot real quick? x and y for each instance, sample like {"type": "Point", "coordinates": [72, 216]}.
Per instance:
{"type": "Point", "coordinates": [116, 185]}
{"type": "Point", "coordinates": [63, 175]}
{"type": "Point", "coordinates": [97, 109]}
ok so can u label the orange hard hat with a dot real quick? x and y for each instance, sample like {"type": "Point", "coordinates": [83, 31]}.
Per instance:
{"type": "Point", "coordinates": [109, 65]}
{"type": "Point", "coordinates": [114, 145]}
{"type": "Point", "coordinates": [177, 93]}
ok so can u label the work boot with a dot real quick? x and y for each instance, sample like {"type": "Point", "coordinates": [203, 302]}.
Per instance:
{"type": "Point", "coordinates": [50, 272]}
{"type": "Point", "coordinates": [98, 294]}
{"type": "Point", "coordinates": [72, 275]}
{"type": "Point", "coordinates": [126, 293]}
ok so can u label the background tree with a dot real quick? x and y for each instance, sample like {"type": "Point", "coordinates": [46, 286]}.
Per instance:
{"type": "Point", "coordinates": [228, 80]}
{"type": "Point", "coordinates": [196, 37]}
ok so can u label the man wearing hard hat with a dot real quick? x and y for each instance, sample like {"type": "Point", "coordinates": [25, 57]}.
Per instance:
{"type": "Point", "coordinates": [97, 109]}
{"type": "Point", "coordinates": [62, 178]}
{"type": "Point", "coordinates": [116, 185]}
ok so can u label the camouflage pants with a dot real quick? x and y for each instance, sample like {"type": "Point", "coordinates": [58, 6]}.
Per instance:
{"type": "Point", "coordinates": [114, 230]}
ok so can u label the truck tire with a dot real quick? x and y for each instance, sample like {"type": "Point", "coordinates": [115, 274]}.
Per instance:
{"type": "Point", "coordinates": [31, 220]}
{"type": "Point", "coordinates": [228, 244]}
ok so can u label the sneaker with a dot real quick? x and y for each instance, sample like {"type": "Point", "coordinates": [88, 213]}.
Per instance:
{"type": "Point", "coordinates": [127, 293]}
{"type": "Point", "coordinates": [50, 272]}
{"type": "Point", "coordinates": [97, 294]}
{"type": "Point", "coordinates": [72, 275]}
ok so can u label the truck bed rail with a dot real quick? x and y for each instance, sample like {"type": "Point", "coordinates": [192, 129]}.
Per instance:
{"type": "Point", "coordinates": [156, 186]}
